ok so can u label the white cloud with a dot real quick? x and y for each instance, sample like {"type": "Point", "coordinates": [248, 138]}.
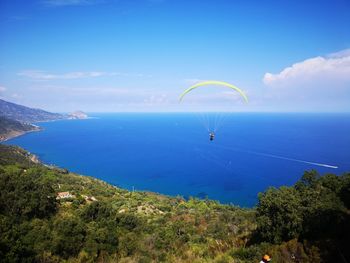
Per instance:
{"type": "Point", "coordinates": [339, 54]}
{"type": "Point", "coordinates": [317, 84]}
{"type": "Point", "coordinates": [58, 3]}
{"type": "Point", "coordinates": [2, 89]}
{"type": "Point", "coordinates": [99, 98]}
{"type": "Point", "coordinates": [102, 93]}
{"type": "Point", "coordinates": [16, 95]}
{"type": "Point", "coordinates": [334, 67]}
{"type": "Point", "coordinates": [123, 74]}
{"type": "Point", "coordinates": [159, 99]}
{"type": "Point", "coordinates": [43, 75]}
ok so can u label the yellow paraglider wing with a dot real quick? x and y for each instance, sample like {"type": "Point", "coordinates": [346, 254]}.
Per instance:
{"type": "Point", "coordinates": [214, 82]}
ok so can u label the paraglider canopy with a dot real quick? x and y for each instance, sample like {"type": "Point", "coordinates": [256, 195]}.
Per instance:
{"type": "Point", "coordinates": [216, 83]}
{"type": "Point", "coordinates": [212, 121]}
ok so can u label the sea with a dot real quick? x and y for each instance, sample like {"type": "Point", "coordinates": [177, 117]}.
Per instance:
{"type": "Point", "coordinates": [171, 154]}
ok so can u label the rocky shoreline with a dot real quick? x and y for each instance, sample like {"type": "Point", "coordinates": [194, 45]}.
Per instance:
{"type": "Point", "coordinates": [16, 133]}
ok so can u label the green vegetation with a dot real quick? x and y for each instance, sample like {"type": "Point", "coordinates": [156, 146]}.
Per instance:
{"type": "Point", "coordinates": [315, 209]}
{"type": "Point", "coordinates": [97, 222]}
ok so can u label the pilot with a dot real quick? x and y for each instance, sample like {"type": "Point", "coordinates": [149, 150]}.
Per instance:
{"type": "Point", "coordinates": [211, 136]}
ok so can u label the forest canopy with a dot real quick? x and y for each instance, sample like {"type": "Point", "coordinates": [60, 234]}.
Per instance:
{"type": "Point", "coordinates": [95, 221]}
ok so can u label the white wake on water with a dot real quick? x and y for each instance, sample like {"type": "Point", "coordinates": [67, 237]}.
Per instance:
{"type": "Point", "coordinates": [278, 157]}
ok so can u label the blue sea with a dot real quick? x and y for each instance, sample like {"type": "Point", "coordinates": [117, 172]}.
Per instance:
{"type": "Point", "coordinates": [170, 153]}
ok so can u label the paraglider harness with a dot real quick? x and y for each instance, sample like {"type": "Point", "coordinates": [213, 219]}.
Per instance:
{"type": "Point", "coordinates": [211, 136]}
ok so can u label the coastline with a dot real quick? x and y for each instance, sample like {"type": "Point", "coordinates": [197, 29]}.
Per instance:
{"type": "Point", "coordinates": [105, 142]}
{"type": "Point", "coordinates": [64, 119]}
{"type": "Point", "coordinates": [15, 134]}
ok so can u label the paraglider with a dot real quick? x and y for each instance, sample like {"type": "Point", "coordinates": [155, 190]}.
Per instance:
{"type": "Point", "coordinates": [213, 121]}
{"type": "Point", "coordinates": [211, 136]}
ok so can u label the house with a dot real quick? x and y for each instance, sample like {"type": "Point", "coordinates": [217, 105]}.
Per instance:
{"type": "Point", "coordinates": [63, 195]}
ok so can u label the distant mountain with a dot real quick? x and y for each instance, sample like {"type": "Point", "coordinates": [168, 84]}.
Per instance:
{"type": "Point", "coordinates": [16, 119]}
{"type": "Point", "coordinates": [11, 128]}
{"type": "Point", "coordinates": [25, 114]}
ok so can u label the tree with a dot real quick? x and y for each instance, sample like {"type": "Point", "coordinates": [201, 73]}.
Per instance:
{"type": "Point", "coordinates": [24, 195]}
{"type": "Point", "coordinates": [344, 192]}
{"type": "Point", "coordinates": [97, 211]}
{"type": "Point", "coordinates": [68, 236]}
{"type": "Point", "coordinates": [278, 215]}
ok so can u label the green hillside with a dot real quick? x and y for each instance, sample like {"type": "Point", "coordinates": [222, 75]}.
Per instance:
{"type": "Point", "coordinates": [96, 222]}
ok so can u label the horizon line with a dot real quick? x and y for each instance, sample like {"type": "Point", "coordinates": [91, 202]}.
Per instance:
{"type": "Point", "coordinates": [166, 112]}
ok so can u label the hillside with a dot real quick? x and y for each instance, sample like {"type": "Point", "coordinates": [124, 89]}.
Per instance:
{"type": "Point", "coordinates": [25, 114]}
{"type": "Point", "coordinates": [48, 214]}
{"type": "Point", "coordinates": [11, 128]}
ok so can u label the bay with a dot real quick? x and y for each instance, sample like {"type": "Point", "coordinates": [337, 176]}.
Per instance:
{"type": "Point", "coordinates": [170, 153]}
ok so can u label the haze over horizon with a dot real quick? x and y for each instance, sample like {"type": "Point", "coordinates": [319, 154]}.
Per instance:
{"type": "Point", "coordinates": [118, 55]}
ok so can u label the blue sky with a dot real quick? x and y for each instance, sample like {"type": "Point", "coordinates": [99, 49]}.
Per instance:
{"type": "Point", "coordinates": [139, 55]}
